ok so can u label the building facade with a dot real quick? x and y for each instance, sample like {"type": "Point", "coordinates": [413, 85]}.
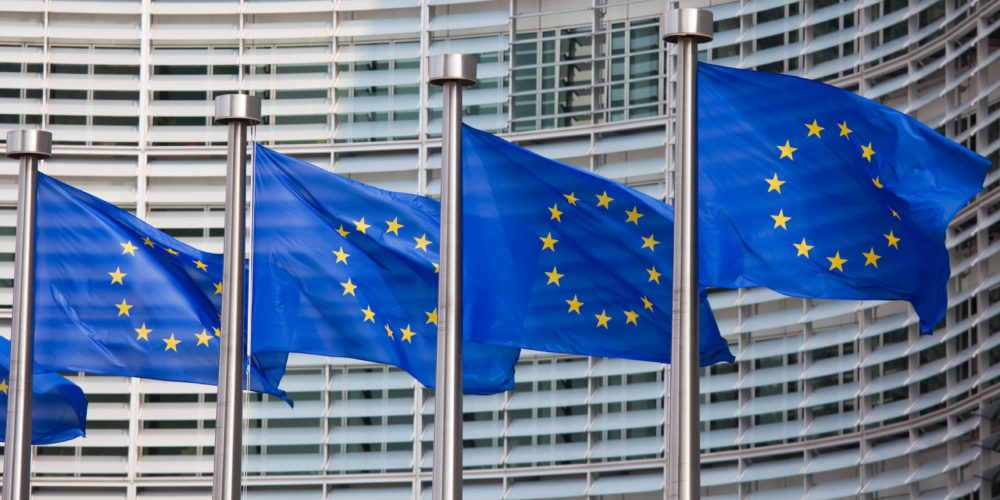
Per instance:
{"type": "Point", "coordinates": [827, 399]}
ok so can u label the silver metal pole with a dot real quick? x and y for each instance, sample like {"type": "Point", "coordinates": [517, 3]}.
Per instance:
{"type": "Point", "coordinates": [452, 72]}
{"type": "Point", "coordinates": [28, 146]}
{"type": "Point", "coordinates": [686, 28]}
{"type": "Point", "coordinates": [238, 111]}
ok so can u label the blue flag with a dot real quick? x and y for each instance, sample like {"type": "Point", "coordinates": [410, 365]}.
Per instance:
{"type": "Point", "coordinates": [344, 269]}
{"type": "Point", "coordinates": [116, 296]}
{"type": "Point", "coordinates": [602, 256]}
{"type": "Point", "coordinates": [813, 191]}
{"type": "Point", "coordinates": [58, 406]}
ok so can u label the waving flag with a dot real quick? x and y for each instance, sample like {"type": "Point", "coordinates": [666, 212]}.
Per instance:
{"type": "Point", "coordinates": [813, 191]}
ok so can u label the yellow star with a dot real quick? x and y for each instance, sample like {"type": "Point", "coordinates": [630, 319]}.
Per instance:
{"type": "Point", "coordinates": [369, 314]}
{"type": "Point", "coordinates": [774, 184]}
{"type": "Point", "coordinates": [653, 275]}
{"type": "Point", "coordinates": [116, 277]}
{"type": "Point", "coordinates": [814, 129]}
{"type": "Point", "coordinates": [3, 386]}
{"type": "Point", "coordinates": [143, 333]}
{"type": "Point", "coordinates": [633, 215]}
{"type": "Point", "coordinates": [349, 287]}
{"type": "Point", "coordinates": [780, 220]}
{"type": "Point", "coordinates": [877, 183]}
{"type": "Point", "coordinates": [123, 308]}
{"type": "Point", "coordinates": [605, 200]}
{"type": "Point", "coordinates": [868, 152]}
{"type": "Point", "coordinates": [171, 343]}
{"type": "Point", "coordinates": [571, 198]}
{"type": "Point", "coordinates": [803, 248]}
{"type": "Point", "coordinates": [407, 334]}
{"type": "Point", "coordinates": [894, 214]}
{"type": "Point", "coordinates": [893, 240]}
{"type": "Point", "coordinates": [360, 225]}
{"type": "Point", "coordinates": [574, 305]}
{"type": "Point", "coordinates": [871, 258]}
{"type": "Point", "coordinates": [147, 241]}
{"type": "Point", "coordinates": [422, 242]}
{"type": "Point", "coordinates": [171, 251]}
{"type": "Point", "coordinates": [649, 242]}
{"type": "Point", "coordinates": [647, 304]}
{"type": "Point", "coordinates": [201, 265]}
{"type": "Point", "coordinates": [555, 212]}
{"type": "Point", "coordinates": [218, 288]}
{"type": "Point", "coordinates": [549, 242]}
{"type": "Point", "coordinates": [388, 331]}
{"type": "Point", "coordinates": [218, 333]}
{"type": "Point", "coordinates": [202, 338]}
{"type": "Point", "coordinates": [844, 131]}
{"type": "Point", "coordinates": [553, 276]}
{"type": "Point", "coordinates": [787, 150]}
{"type": "Point", "coordinates": [128, 248]}
{"type": "Point", "coordinates": [341, 255]}
{"type": "Point", "coordinates": [394, 226]}
{"type": "Point", "coordinates": [437, 268]}
{"type": "Point", "coordinates": [343, 232]}
{"type": "Point", "coordinates": [602, 319]}
{"type": "Point", "coordinates": [631, 316]}
{"type": "Point", "coordinates": [836, 262]}
{"type": "Point", "coordinates": [432, 317]}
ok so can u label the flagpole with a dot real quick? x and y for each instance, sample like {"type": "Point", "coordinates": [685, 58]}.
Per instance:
{"type": "Point", "coordinates": [686, 28]}
{"type": "Point", "coordinates": [452, 72]}
{"type": "Point", "coordinates": [238, 111]}
{"type": "Point", "coordinates": [28, 146]}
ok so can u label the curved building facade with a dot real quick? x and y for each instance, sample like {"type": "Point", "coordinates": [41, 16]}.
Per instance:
{"type": "Point", "coordinates": [827, 399]}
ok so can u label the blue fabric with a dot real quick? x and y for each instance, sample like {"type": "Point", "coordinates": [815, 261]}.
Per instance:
{"type": "Point", "coordinates": [58, 406]}
{"type": "Point", "coordinates": [601, 256]}
{"type": "Point", "coordinates": [116, 296]}
{"type": "Point", "coordinates": [344, 269]}
{"type": "Point", "coordinates": [867, 198]}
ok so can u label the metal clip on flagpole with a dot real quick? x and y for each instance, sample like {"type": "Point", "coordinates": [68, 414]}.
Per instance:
{"type": "Point", "coordinates": [452, 72]}
{"type": "Point", "coordinates": [238, 111]}
{"type": "Point", "coordinates": [687, 28]}
{"type": "Point", "coordinates": [28, 146]}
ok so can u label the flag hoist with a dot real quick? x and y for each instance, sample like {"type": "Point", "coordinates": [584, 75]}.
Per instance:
{"type": "Point", "coordinates": [28, 146]}
{"type": "Point", "coordinates": [452, 72]}
{"type": "Point", "coordinates": [687, 28]}
{"type": "Point", "coordinates": [237, 111]}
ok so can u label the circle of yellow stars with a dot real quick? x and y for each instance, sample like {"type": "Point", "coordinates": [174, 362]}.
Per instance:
{"type": "Point", "coordinates": [420, 244]}
{"type": "Point", "coordinates": [125, 309]}
{"type": "Point", "coordinates": [780, 220]}
{"type": "Point", "coordinates": [605, 201]}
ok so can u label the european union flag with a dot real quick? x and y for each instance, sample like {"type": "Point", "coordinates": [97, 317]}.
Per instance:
{"type": "Point", "coordinates": [58, 406]}
{"type": "Point", "coordinates": [602, 255]}
{"type": "Point", "coordinates": [344, 269]}
{"type": "Point", "coordinates": [813, 191]}
{"type": "Point", "coordinates": [116, 296]}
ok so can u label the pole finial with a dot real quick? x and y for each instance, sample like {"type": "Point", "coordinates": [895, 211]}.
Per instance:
{"type": "Point", "coordinates": [237, 107]}
{"type": "Point", "coordinates": [688, 23]}
{"type": "Point", "coordinates": [459, 68]}
{"type": "Point", "coordinates": [36, 143]}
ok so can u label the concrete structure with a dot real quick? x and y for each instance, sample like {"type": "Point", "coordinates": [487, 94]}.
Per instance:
{"type": "Point", "coordinates": [827, 398]}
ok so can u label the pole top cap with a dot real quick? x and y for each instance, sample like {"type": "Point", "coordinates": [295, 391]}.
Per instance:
{"type": "Point", "coordinates": [695, 24]}
{"type": "Point", "coordinates": [237, 107]}
{"type": "Point", "coordinates": [459, 68]}
{"type": "Point", "coordinates": [37, 143]}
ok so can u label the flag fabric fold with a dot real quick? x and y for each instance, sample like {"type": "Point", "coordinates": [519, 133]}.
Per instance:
{"type": "Point", "coordinates": [116, 296]}
{"type": "Point", "coordinates": [601, 256]}
{"type": "Point", "coordinates": [344, 269]}
{"type": "Point", "coordinates": [816, 192]}
{"type": "Point", "coordinates": [58, 406]}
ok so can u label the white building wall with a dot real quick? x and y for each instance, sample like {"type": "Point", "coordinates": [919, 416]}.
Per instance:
{"type": "Point", "coordinates": [827, 399]}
